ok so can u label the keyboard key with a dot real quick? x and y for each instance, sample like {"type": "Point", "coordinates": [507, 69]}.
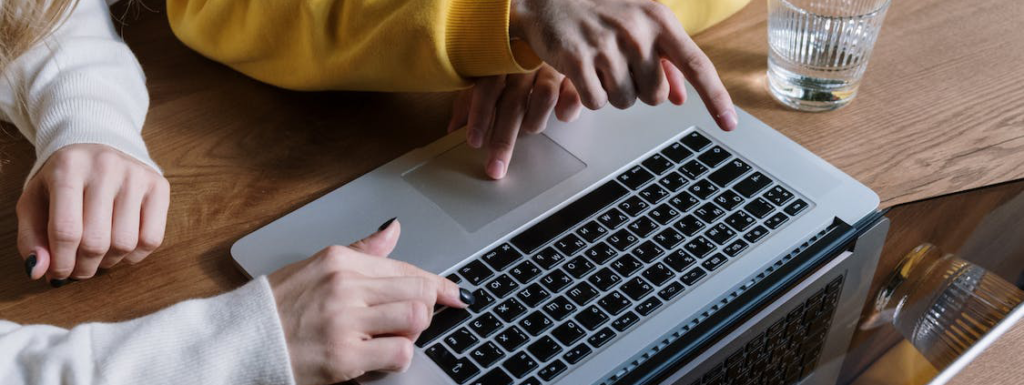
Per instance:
{"type": "Point", "coordinates": [668, 292]}
{"type": "Point", "coordinates": [559, 308]}
{"type": "Point", "coordinates": [755, 234]}
{"type": "Point", "coordinates": [648, 306]}
{"type": "Point", "coordinates": [577, 353]}
{"type": "Point", "coordinates": [604, 279]}
{"type": "Point", "coordinates": [495, 377]}
{"type": "Point", "coordinates": [714, 156]}
{"type": "Point", "coordinates": [676, 152]}
{"type": "Point", "coordinates": [582, 293]}
{"type": "Point", "coordinates": [634, 206]}
{"type": "Point", "coordinates": [475, 272]}
{"type": "Point", "coordinates": [612, 218]}
{"type": "Point", "coordinates": [664, 214]}
{"type": "Point", "coordinates": [684, 201]}
{"type": "Point", "coordinates": [578, 267]}
{"type": "Point", "coordinates": [536, 323]}
{"type": "Point", "coordinates": [548, 257]}
{"type": "Point", "coordinates": [509, 310]}
{"type": "Point", "coordinates": [777, 195]}
{"type": "Point", "coordinates": [691, 277]}
{"type": "Point", "coordinates": [673, 181]}
{"type": "Point", "coordinates": [502, 285]}
{"type": "Point", "coordinates": [485, 325]}
{"type": "Point", "coordinates": [729, 200]}
{"type": "Point", "coordinates": [622, 240]}
{"type": "Point", "coordinates": [591, 318]}
{"type": "Point", "coordinates": [533, 295]}
{"type": "Point", "coordinates": [460, 340]}
{"type": "Point", "coordinates": [487, 354]}
{"type": "Point", "coordinates": [729, 172]}
{"type": "Point", "coordinates": [714, 262]}
{"type": "Point", "coordinates": [699, 247]}
{"type": "Point", "coordinates": [625, 321]}
{"type": "Point", "coordinates": [552, 370]}
{"type": "Point", "coordinates": [459, 369]}
{"type": "Point", "coordinates": [592, 231]}
{"type": "Point", "coordinates": [720, 233]}
{"type": "Point", "coordinates": [556, 281]}
{"type": "Point", "coordinates": [796, 207]}
{"type": "Point", "coordinates": [735, 248]}
{"type": "Point", "coordinates": [614, 303]}
{"type": "Point", "coordinates": [658, 274]}
{"type": "Point", "coordinates": [709, 212]}
{"type": "Point", "coordinates": [595, 201]}
{"type": "Point", "coordinates": [654, 194]}
{"type": "Point", "coordinates": [601, 337]}
{"type": "Point", "coordinates": [626, 265]}
{"type": "Point", "coordinates": [570, 244]}
{"type": "Point", "coordinates": [525, 272]}
{"type": "Point", "coordinates": [693, 169]}
{"type": "Point", "coordinates": [442, 322]}
{"type": "Point", "coordinates": [501, 257]}
{"type": "Point", "coordinates": [636, 288]}
{"type": "Point", "coordinates": [568, 333]}
{"type": "Point", "coordinates": [647, 251]}
{"type": "Point", "coordinates": [776, 221]}
{"type": "Point", "coordinates": [483, 300]}
{"type": "Point", "coordinates": [657, 164]}
{"type": "Point", "coordinates": [642, 226]}
{"type": "Point", "coordinates": [759, 208]}
{"type": "Point", "coordinates": [702, 189]}
{"type": "Point", "coordinates": [635, 177]}
{"type": "Point", "coordinates": [519, 364]}
{"type": "Point", "coordinates": [679, 260]}
{"type": "Point", "coordinates": [740, 221]}
{"type": "Point", "coordinates": [695, 141]}
{"type": "Point", "coordinates": [544, 348]}
{"type": "Point", "coordinates": [752, 184]}
{"type": "Point", "coordinates": [454, 278]}
{"type": "Point", "coordinates": [528, 381]}
{"type": "Point", "coordinates": [510, 338]}
{"type": "Point", "coordinates": [669, 238]}
{"type": "Point", "coordinates": [689, 225]}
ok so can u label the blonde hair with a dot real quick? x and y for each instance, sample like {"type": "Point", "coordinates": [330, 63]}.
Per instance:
{"type": "Point", "coordinates": [25, 23]}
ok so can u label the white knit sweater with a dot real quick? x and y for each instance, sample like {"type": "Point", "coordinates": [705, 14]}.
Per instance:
{"type": "Point", "coordinates": [83, 85]}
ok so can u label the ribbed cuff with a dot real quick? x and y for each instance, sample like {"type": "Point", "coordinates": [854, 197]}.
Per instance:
{"type": "Point", "coordinates": [478, 43]}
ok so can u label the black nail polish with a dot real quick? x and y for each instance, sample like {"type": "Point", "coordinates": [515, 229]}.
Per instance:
{"type": "Point", "coordinates": [386, 224]}
{"type": "Point", "coordinates": [57, 283]}
{"type": "Point", "coordinates": [466, 296]}
{"type": "Point", "coordinates": [30, 264]}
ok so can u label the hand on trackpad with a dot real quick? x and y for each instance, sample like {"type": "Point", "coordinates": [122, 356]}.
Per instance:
{"type": "Point", "coordinates": [455, 182]}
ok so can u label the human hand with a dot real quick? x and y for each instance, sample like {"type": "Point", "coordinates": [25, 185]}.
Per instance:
{"type": "Point", "coordinates": [612, 51]}
{"type": "Point", "coordinates": [348, 311]}
{"type": "Point", "coordinates": [90, 206]}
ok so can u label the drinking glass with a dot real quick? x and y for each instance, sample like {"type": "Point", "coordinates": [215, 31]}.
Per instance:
{"type": "Point", "coordinates": [943, 304]}
{"type": "Point", "coordinates": [819, 49]}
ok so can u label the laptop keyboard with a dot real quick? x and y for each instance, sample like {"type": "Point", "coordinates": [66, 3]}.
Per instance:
{"type": "Point", "coordinates": [785, 353]}
{"type": "Point", "coordinates": [565, 288]}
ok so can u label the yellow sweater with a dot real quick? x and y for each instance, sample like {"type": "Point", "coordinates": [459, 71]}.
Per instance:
{"type": "Point", "coordinates": [374, 45]}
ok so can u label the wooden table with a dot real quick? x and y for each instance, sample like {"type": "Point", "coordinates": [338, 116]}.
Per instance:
{"type": "Point", "coordinates": [939, 112]}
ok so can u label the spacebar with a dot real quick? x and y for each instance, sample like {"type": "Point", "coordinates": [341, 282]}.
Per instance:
{"type": "Point", "coordinates": [533, 238]}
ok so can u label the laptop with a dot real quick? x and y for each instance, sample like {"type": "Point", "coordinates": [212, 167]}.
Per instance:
{"type": "Point", "coordinates": [616, 248]}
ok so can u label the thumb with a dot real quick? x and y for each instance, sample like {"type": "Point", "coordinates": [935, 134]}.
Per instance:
{"type": "Point", "coordinates": [33, 215]}
{"type": "Point", "coordinates": [382, 242]}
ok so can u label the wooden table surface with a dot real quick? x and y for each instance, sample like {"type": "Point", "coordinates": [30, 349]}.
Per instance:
{"type": "Point", "coordinates": [939, 112]}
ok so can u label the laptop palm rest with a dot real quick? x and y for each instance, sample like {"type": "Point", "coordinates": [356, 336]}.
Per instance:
{"type": "Point", "coordinates": [456, 182]}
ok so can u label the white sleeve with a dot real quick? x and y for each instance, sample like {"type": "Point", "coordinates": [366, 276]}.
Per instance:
{"type": "Point", "coordinates": [234, 338]}
{"type": "Point", "coordinates": [81, 84]}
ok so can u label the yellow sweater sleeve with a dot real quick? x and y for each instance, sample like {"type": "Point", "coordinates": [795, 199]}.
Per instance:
{"type": "Point", "coordinates": [373, 45]}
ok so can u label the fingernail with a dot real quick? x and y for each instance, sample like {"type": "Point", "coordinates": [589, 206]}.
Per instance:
{"type": "Point", "coordinates": [386, 224]}
{"type": "Point", "coordinates": [728, 120]}
{"type": "Point", "coordinates": [30, 264]}
{"type": "Point", "coordinates": [466, 297]}
{"type": "Point", "coordinates": [57, 283]}
{"type": "Point", "coordinates": [496, 169]}
{"type": "Point", "coordinates": [474, 138]}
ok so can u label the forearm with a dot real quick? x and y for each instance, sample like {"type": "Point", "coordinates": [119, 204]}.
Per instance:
{"type": "Point", "coordinates": [234, 338]}
{"type": "Point", "coordinates": [383, 45]}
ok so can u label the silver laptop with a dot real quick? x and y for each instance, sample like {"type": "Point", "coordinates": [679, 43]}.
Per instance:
{"type": "Point", "coordinates": [611, 239]}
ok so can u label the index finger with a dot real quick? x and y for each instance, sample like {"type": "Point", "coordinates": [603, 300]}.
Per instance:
{"type": "Point", "coordinates": [698, 69]}
{"type": "Point", "coordinates": [448, 293]}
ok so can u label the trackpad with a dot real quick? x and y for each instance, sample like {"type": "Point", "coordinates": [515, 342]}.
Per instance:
{"type": "Point", "coordinates": [456, 182]}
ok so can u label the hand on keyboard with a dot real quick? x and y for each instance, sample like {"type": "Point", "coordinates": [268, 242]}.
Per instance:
{"type": "Point", "coordinates": [347, 311]}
